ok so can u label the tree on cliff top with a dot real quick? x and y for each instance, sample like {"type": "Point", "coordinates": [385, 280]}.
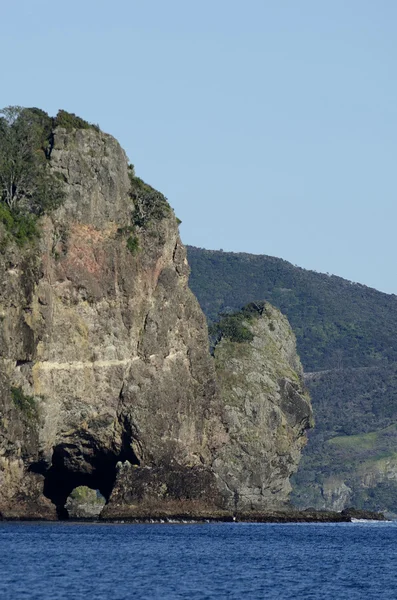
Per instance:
{"type": "Point", "coordinates": [28, 188]}
{"type": "Point", "coordinates": [26, 184]}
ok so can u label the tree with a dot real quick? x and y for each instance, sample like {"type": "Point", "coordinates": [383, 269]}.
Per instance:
{"type": "Point", "coordinates": [26, 183]}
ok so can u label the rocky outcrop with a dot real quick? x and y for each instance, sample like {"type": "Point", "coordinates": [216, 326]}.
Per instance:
{"type": "Point", "coordinates": [104, 354]}
{"type": "Point", "coordinates": [163, 492]}
{"type": "Point", "coordinates": [267, 409]}
{"type": "Point", "coordinates": [106, 381]}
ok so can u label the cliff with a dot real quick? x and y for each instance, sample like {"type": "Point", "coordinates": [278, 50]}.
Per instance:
{"type": "Point", "coordinates": [267, 409]}
{"type": "Point", "coordinates": [106, 380]}
{"type": "Point", "coordinates": [103, 347]}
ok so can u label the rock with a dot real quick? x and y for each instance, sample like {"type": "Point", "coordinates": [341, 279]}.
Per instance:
{"type": "Point", "coordinates": [371, 484]}
{"type": "Point", "coordinates": [266, 410]}
{"type": "Point", "coordinates": [336, 494]}
{"type": "Point", "coordinates": [103, 343]}
{"type": "Point", "coordinates": [164, 492]}
{"type": "Point", "coordinates": [367, 515]}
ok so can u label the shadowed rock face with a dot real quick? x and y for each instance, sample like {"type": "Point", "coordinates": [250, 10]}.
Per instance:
{"type": "Point", "coordinates": [163, 492]}
{"type": "Point", "coordinates": [267, 411]}
{"type": "Point", "coordinates": [106, 380]}
{"type": "Point", "coordinates": [107, 347]}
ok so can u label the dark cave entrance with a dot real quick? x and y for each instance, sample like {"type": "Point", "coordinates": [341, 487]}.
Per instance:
{"type": "Point", "coordinates": [76, 465]}
{"type": "Point", "coordinates": [63, 476]}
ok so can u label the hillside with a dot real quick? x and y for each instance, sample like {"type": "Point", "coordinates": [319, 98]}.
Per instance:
{"type": "Point", "coordinates": [337, 323]}
{"type": "Point", "coordinates": [347, 341]}
{"type": "Point", "coordinates": [351, 456]}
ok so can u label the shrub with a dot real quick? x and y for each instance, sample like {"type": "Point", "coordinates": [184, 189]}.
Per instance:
{"type": "Point", "coordinates": [70, 121]}
{"type": "Point", "coordinates": [6, 217]}
{"type": "Point", "coordinates": [133, 244]}
{"type": "Point", "coordinates": [149, 204]}
{"type": "Point", "coordinates": [232, 327]}
{"type": "Point", "coordinates": [84, 494]}
{"type": "Point", "coordinates": [22, 227]}
{"type": "Point", "coordinates": [26, 404]}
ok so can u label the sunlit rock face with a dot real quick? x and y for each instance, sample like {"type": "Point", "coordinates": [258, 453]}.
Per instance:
{"type": "Point", "coordinates": [103, 348]}
{"type": "Point", "coordinates": [267, 411]}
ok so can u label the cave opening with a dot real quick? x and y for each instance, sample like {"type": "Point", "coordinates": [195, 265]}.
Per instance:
{"type": "Point", "coordinates": [84, 503]}
{"type": "Point", "coordinates": [76, 466]}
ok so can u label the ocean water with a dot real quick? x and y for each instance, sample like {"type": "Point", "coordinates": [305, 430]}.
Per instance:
{"type": "Point", "coordinates": [73, 561]}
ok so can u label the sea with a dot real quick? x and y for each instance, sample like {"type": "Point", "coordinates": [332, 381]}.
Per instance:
{"type": "Point", "coordinates": [83, 561]}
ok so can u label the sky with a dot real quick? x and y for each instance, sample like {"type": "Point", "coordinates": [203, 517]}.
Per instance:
{"type": "Point", "coordinates": [270, 126]}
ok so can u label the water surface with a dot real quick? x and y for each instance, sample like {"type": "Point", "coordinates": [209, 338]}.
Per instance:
{"type": "Point", "coordinates": [73, 561]}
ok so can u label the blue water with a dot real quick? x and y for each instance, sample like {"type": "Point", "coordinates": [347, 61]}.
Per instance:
{"type": "Point", "coordinates": [226, 560]}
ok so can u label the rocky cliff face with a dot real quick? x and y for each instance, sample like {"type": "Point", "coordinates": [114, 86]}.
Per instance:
{"type": "Point", "coordinates": [106, 380]}
{"type": "Point", "coordinates": [266, 409]}
{"type": "Point", "coordinates": [103, 347]}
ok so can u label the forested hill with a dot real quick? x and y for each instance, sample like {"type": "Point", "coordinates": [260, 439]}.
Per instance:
{"type": "Point", "coordinates": [338, 324]}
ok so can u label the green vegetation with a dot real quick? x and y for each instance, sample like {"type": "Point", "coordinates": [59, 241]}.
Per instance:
{"type": "Point", "coordinates": [356, 416]}
{"type": "Point", "coordinates": [351, 402]}
{"type": "Point", "coordinates": [382, 497]}
{"type": "Point", "coordinates": [366, 441]}
{"type": "Point", "coordinates": [132, 240]}
{"type": "Point", "coordinates": [27, 187]}
{"type": "Point", "coordinates": [26, 404]}
{"type": "Point", "coordinates": [133, 244]}
{"type": "Point", "coordinates": [338, 324]}
{"type": "Point", "coordinates": [234, 326]}
{"type": "Point", "coordinates": [347, 338]}
{"type": "Point", "coordinates": [83, 494]}
{"type": "Point", "coordinates": [70, 121]}
{"type": "Point", "coordinates": [150, 206]}
{"type": "Point", "coordinates": [22, 227]}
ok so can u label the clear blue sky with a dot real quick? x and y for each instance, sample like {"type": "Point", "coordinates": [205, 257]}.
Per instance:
{"type": "Point", "coordinates": [271, 126]}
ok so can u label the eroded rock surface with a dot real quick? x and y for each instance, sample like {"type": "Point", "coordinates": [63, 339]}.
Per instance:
{"type": "Point", "coordinates": [163, 492]}
{"type": "Point", "coordinates": [267, 409]}
{"type": "Point", "coordinates": [103, 353]}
